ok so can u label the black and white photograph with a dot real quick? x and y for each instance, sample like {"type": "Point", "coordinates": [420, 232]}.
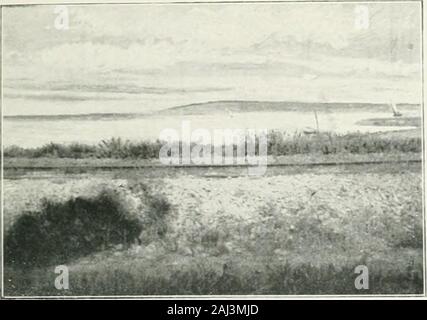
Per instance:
{"type": "Point", "coordinates": [212, 149]}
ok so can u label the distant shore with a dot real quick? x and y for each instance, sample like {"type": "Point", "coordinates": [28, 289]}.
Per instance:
{"type": "Point", "coordinates": [214, 107]}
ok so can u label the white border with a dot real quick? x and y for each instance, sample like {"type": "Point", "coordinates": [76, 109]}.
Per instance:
{"type": "Point", "coordinates": [422, 296]}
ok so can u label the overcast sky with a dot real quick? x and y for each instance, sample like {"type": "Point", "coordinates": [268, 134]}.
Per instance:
{"type": "Point", "coordinates": [168, 45]}
{"type": "Point", "coordinates": [144, 36]}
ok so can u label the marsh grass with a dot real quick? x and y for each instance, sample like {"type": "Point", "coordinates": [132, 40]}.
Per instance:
{"type": "Point", "coordinates": [279, 144]}
{"type": "Point", "coordinates": [308, 247]}
{"type": "Point", "coordinates": [208, 276]}
{"type": "Point", "coordinates": [273, 256]}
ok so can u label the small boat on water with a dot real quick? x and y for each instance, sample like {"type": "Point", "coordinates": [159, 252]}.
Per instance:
{"type": "Point", "coordinates": [309, 130]}
{"type": "Point", "coordinates": [396, 113]}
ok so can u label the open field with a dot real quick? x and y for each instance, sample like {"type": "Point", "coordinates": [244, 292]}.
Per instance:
{"type": "Point", "coordinates": [289, 232]}
{"type": "Point", "coordinates": [327, 203]}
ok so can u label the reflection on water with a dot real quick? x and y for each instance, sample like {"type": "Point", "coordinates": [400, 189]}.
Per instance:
{"type": "Point", "coordinates": [32, 133]}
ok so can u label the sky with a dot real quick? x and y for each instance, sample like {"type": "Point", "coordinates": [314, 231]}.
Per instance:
{"type": "Point", "coordinates": [214, 47]}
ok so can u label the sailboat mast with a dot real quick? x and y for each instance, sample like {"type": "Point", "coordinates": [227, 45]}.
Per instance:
{"type": "Point", "coordinates": [317, 121]}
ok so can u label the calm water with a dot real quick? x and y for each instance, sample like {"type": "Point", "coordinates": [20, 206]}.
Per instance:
{"type": "Point", "coordinates": [175, 91]}
{"type": "Point", "coordinates": [31, 133]}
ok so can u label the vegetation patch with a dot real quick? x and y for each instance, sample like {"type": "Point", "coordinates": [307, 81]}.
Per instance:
{"type": "Point", "coordinates": [62, 231]}
{"type": "Point", "coordinates": [279, 144]}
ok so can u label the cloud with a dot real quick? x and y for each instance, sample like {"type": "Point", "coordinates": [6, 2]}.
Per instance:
{"type": "Point", "coordinates": [207, 25]}
{"type": "Point", "coordinates": [158, 37]}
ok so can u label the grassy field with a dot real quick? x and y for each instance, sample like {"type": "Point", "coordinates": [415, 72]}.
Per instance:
{"type": "Point", "coordinates": [124, 224]}
{"type": "Point", "coordinates": [288, 232]}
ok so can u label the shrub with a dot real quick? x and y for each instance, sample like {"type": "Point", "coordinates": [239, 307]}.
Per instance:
{"type": "Point", "coordinates": [63, 231]}
{"type": "Point", "coordinates": [153, 221]}
{"type": "Point", "coordinates": [113, 148]}
{"type": "Point", "coordinates": [15, 152]}
{"type": "Point", "coordinates": [203, 276]}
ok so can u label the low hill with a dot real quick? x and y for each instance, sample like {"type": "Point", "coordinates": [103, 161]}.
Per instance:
{"type": "Point", "coordinates": [275, 106]}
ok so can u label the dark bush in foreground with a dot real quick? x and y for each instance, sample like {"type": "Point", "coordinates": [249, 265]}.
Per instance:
{"type": "Point", "coordinates": [63, 231]}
